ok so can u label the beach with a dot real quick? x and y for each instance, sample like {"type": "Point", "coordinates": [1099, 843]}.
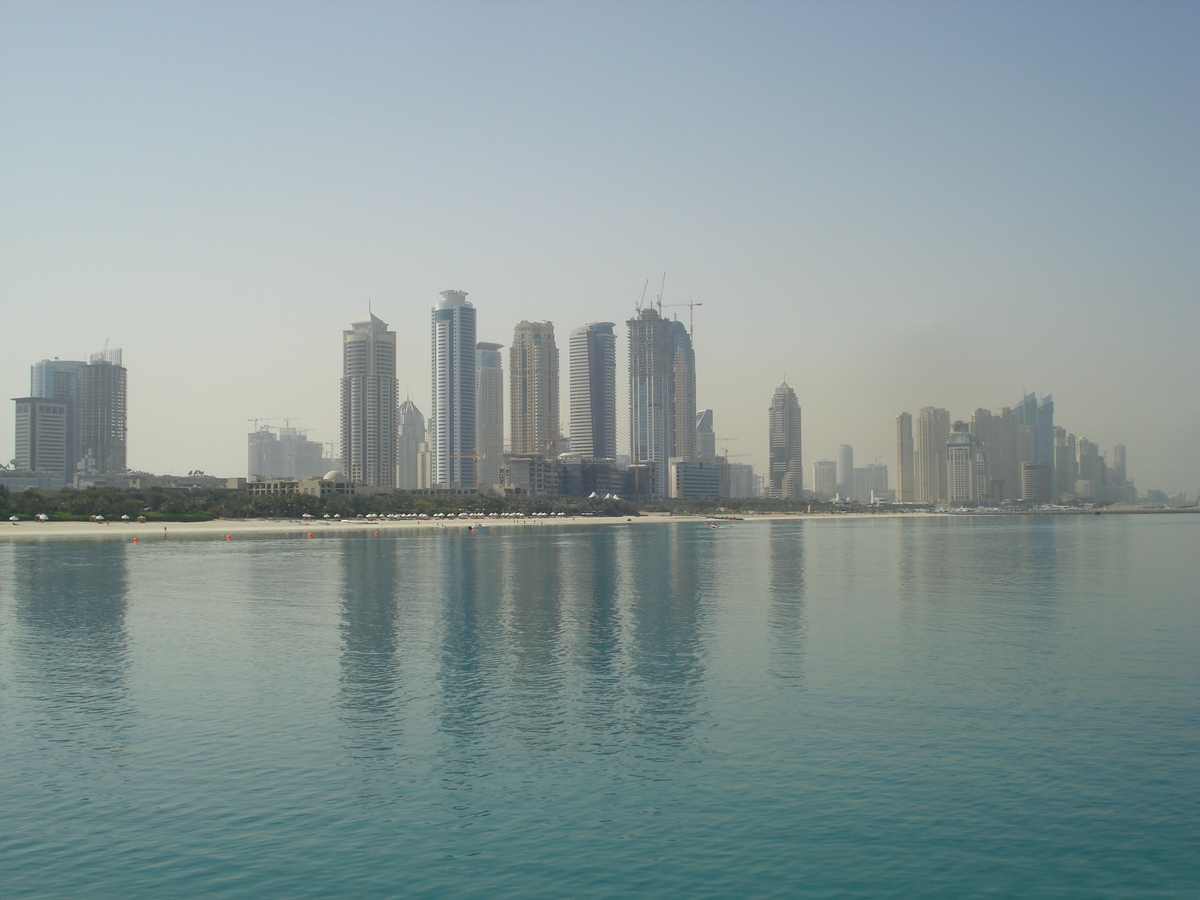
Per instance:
{"type": "Point", "coordinates": [233, 528]}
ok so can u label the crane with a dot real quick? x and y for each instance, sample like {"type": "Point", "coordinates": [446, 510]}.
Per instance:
{"type": "Point", "coordinates": [262, 419]}
{"type": "Point", "coordinates": [642, 302]}
{"type": "Point", "coordinates": [691, 314]}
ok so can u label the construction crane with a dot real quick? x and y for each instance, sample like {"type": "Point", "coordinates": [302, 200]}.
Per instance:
{"type": "Point", "coordinates": [262, 419]}
{"type": "Point", "coordinates": [691, 314]}
{"type": "Point", "coordinates": [642, 302]}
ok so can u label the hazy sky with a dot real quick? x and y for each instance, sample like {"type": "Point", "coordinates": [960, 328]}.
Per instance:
{"type": "Point", "coordinates": [893, 205]}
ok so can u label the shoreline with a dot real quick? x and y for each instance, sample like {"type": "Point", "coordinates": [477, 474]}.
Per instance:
{"type": "Point", "coordinates": [227, 529]}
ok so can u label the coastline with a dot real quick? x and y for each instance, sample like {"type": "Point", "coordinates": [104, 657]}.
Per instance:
{"type": "Point", "coordinates": [230, 529]}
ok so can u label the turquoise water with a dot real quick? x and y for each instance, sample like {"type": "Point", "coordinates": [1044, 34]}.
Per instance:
{"type": "Point", "coordinates": [844, 708]}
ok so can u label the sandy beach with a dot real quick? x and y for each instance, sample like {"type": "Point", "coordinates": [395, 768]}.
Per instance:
{"type": "Point", "coordinates": [231, 529]}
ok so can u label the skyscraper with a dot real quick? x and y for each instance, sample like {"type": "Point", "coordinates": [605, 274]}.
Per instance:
{"type": "Point", "coordinates": [662, 394]}
{"type": "Point", "coordinates": [408, 448]}
{"type": "Point", "coordinates": [683, 392]}
{"type": "Point", "coordinates": [594, 391]}
{"type": "Point", "coordinates": [41, 438]}
{"type": "Point", "coordinates": [288, 454]}
{"type": "Point", "coordinates": [786, 471]}
{"type": "Point", "coordinates": [905, 488]}
{"type": "Point", "coordinates": [825, 478]}
{"type": "Point", "coordinates": [706, 438]}
{"type": "Point", "coordinates": [533, 389]}
{"type": "Point", "coordinates": [1038, 417]}
{"type": "Point", "coordinates": [489, 412]}
{"type": "Point", "coordinates": [369, 393]}
{"type": "Point", "coordinates": [86, 426]}
{"type": "Point", "coordinates": [845, 461]}
{"type": "Point", "coordinates": [452, 418]}
{"type": "Point", "coordinates": [1000, 436]}
{"type": "Point", "coordinates": [966, 467]}
{"type": "Point", "coordinates": [933, 433]}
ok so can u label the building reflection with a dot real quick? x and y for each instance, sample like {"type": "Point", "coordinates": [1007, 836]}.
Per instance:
{"type": "Point", "coordinates": [786, 619]}
{"type": "Point", "coordinates": [665, 650]}
{"type": "Point", "coordinates": [72, 652]}
{"type": "Point", "coordinates": [370, 668]}
{"type": "Point", "coordinates": [467, 570]}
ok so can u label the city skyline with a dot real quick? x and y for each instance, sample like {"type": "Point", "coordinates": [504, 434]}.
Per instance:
{"type": "Point", "coordinates": [1009, 193]}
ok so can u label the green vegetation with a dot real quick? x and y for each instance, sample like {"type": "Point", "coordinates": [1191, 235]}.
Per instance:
{"type": "Point", "coordinates": [196, 505]}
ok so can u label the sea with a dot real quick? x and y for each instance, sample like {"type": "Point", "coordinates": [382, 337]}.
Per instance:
{"type": "Point", "coordinates": [843, 707]}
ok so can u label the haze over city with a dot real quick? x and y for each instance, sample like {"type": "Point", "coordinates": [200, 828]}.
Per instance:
{"type": "Point", "coordinates": [889, 206]}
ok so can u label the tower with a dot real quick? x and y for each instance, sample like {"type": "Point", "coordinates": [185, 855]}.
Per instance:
{"type": "Point", "coordinates": [662, 394]}
{"type": "Point", "coordinates": [489, 412]}
{"type": "Point", "coordinates": [533, 388]}
{"type": "Point", "coordinates": [593, 353]}
{"type": "Point", "coordinates": [933, 434]}
{"type": "Point", "coordinates": [904, 459]}
{"type": "Point", "coordinates": [408, 446]}
{"type": "Point", "coordinates": [452, 428]}
{"type": "Point", "coordinates": [786, 471]}
{"type": "Point", "coordinates": [369, 390]}
{"type": "Point", "coordinates": [87, 420]}
{"type": "Point", "coordinates": [845, 472]}
{"type": "Point", "coordinates": [706, 438]}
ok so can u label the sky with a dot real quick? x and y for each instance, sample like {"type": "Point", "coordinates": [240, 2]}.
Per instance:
{"type": "Point", "coordinates": [889, 205]}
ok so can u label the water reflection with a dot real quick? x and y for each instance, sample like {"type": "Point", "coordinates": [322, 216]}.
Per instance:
{"type": "Point", "coordinates": [470, 647]}
{"type": "Point", "coordinates": [666, 651]}
{"type": "Point", "coordinates": [72, 655]}
{"type": "Point", "coordinates": [534, 648]}
{"type": "Point", "coordinates": [370, 669]}
{"type": "Point", "coordinates": [786, 616]}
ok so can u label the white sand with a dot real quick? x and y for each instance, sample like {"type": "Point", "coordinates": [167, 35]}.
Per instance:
{"type": "Point", "coordinates": [234, 528]}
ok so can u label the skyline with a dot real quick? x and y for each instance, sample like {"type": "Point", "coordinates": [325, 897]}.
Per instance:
{"type": "Point", "coordinates": [938, 205]}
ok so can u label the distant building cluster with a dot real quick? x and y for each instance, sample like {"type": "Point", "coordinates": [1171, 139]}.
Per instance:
{"type": "Point", "coordinates": [390, 445]}
{"type": "Point", "coordinates": [1013, 454]}
{"type": "Point", "coordinates": [71, 428]}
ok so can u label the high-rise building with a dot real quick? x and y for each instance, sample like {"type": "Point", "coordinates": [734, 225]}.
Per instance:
{"type": "Point", "coordinates": [369, 394]}
{"type": "Point", "coordinates": [683, 393]}
{"type": "Point", "coordinates": [489, 412]}
{"type": "Point", "coordinates": [786, 460]}
{"type": "Point", "coordinates": [825, 479]}
{"type": "Point", "coordinates": [905, 477]}
{"type": "Point", "coordinates": [452, 418]}
{"type": "Point", "coordinates": [870, 483]}
{"type": "Point", "coordinates": [1120, 472]}
{"type": "Point", "coordinates": [90, 398]}
{"type": "Point", "coordinates": [1000, 437]}
{"type": "Point", "coordinates": [100, 419]}
{"type": "Point", "coordinates": [966, 467]}
{"type": "Point", "coordinates": [706, 438]}
{"type": "Point", "coordinates": [1038, 416]}
{"type": "Point", "coordinates": [1066, 464]}
{"type": "Point", "coordinates": [1035, 482]}
{"type": "Point", "coordinates": [288, 454]}
{"type": "Point", "coordinates": [408, 446]}
{"type": "Point", "coordinates": [41, 444]}
{"type": "Point", "coordinates": [662, 394]}
{"type": "Point", "coordinates": [845, 461]}
{"type": "Point", "coordinates": [533, 389]}
{"type": "Point", "coordinates": [933, 433]}
{"type": "Point", "coordinates": [594, 391]}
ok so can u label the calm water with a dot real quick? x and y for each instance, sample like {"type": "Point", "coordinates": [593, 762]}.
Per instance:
{"type": "Point", "coordinates": [937, 707]}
